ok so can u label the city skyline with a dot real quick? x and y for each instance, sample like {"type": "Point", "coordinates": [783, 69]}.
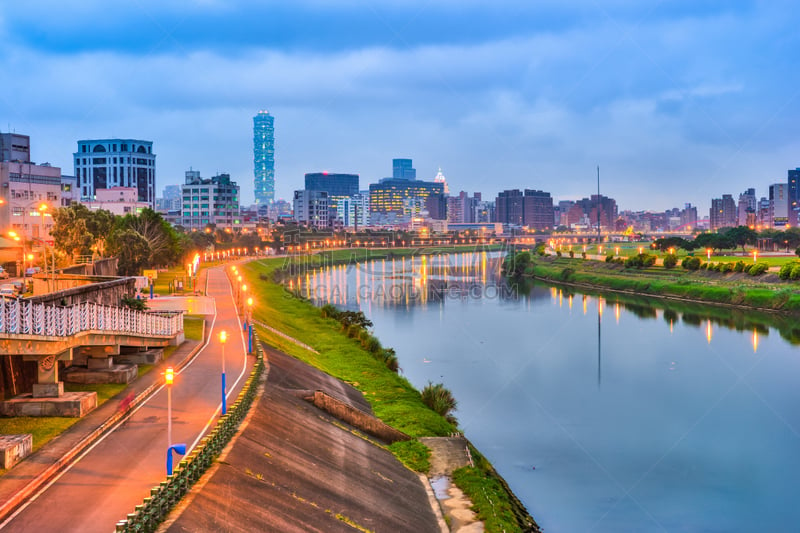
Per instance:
{"type": "Point", "coordinates": [677, 103]}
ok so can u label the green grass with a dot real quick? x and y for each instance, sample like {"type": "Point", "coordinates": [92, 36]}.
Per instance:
{"type": "Point", "coordinates": [392, 397]}
{"type": "Point", "coordinates": [42, 429]}
{"type": "Point", "coordinates": [192, 328]}
{"type": "Point", "coordinates": [413, 454]}
{"type": "Point", "coordinates": [164, 279]}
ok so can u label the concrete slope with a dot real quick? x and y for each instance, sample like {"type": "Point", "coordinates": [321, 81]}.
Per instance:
{"type": "Point", "coordinates": [294, 468]}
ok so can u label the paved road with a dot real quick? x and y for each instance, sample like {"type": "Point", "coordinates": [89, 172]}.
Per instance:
{"type": "Point", "coordinates": [115, 474]}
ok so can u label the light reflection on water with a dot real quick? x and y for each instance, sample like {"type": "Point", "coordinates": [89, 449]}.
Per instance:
{"type": "Point", "coordinates": [660, 417]}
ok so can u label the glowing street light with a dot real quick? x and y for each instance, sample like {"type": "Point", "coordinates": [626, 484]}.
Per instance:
{"type": "Point", "coordinates": [249, 325]}
{"type": "Point", "coordinates": [169, 377]}
{"type": "Point", "coordinates": [708, 253]}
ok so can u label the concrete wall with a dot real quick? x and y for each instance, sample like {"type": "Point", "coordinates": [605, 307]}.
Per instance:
{"type": "Point", "coordinates": [98, 290]}
{"type": "Point", "coordinates": [358, 419]}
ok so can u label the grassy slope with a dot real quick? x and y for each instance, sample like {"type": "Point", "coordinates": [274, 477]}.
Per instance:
{"type": "Point", "coordinates": [392, 397]}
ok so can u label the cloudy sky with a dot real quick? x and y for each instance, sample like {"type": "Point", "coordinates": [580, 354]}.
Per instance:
{"type": "Point", "coordinates": [676, 101]}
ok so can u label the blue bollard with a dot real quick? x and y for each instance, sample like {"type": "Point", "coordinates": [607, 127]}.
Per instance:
{"type": "Point", "coordinates": [177, 448]}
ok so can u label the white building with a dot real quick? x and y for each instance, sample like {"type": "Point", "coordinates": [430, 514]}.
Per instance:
{"type": "Point", "coordinates": [353, 212]}
{"type": "Point", "coordinates": [119, 200]}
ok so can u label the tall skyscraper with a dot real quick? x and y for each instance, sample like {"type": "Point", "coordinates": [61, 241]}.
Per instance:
{"type": "Point", "coordinates": [264, 157]}
{"type": "Point", "coordinates": [401, 168]}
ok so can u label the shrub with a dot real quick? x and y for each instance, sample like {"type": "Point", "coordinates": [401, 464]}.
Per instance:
{"type": "Point", "coordinates": [566, 273]}
{"type": "Point", "coordinates": [725, 267]}
{"type": "Point", "coordinates": [583, 254]}
{"type": "Point", "coordinates": [747, 268]}
{"type": "Point", "coordinates": [372, 345]}
{"type": "Point", "coordinates": [739, 266]}
{"type": "Point", "coordinates": [329, 311]}
{"type": "Point", "coordinates": [670, 261]}
{"type": "Point", "coordinates": [691, 263]}
{"type": "Point", "coordinates": [558, 253]}
{"type": "Point", "coordinates": [440, 400]}
{"type": "Point", "coordinates": [758, 269]}
{"type": "Point", "coordinates": [609, 258]}
{"type": "Point", "coordinates": [786, 271]}
{"type": "Point", "coordinates": [354, 331]}
{"type": "Point", "coordinates": [571, 254]}
{"type": "Point", "coordinates": [795, 274]}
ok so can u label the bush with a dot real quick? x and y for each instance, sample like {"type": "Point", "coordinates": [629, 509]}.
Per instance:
{"type": "Point", "coordinates": [440, 400]}
{"type": "Point", "coordinates": [329, 311]}
{"type": "Point", "coordinates": [609, 258]}
{"type": "Point", "coordinates": [691, 263]}
{"type": "Point", "coordinates": [758, 269]}
{"type": "Point", "coordinates": [372, 345]}
{"type": "Point", "coordinates": [795, 274]}
{"type": "Point", "coordinates": [739, 266]}
{"type": "Point", "coordinates": [670, 261]}
{"type": "Point", "coordinates": [725, 267]}
{"type": "Point", "coordinates": [354, 331]}
{"type": "Point", "coordinates": [583, 254]}
{"type": "Point", "coordinates": [571, 254]}
{"type": "Point", "coordinates": [558, 253]}
{"type": "Point", "coordinates": [747, 268]}
{"type": "Point", "coordinates": [786, 271]}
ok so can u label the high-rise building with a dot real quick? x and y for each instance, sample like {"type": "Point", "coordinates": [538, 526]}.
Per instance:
{"type": "Point", "coordinates": [689, 216]}
{"type": "Point", "coordinates": [336, 185]}
{"type": "Point", "coordinates": [780, 205]}
{"type": "Point", "coordinates": [746, 207]}
{"type": "Point", "coordinates": [401, 168]}
{"type": "Point", "coordinates": [264, 157]}
{"type": "Point", "coordinates": [537, 210]}
{"type": "Point", "coordinates": [439, 178]}
{"type": "Point", "coordinates": [794, 188]}
{"type": "Point", "coordinates": [723, 212]}
{"type": "Point", "coordinates": [311, 208]}
{"type": "Point", "coordinates": [206, 202]}
{"type": "Point", "coordinates": [25, 188]}
{"type": "Point", "coordinates": [508, 207]}
{"type": "Point", "coordinates": [392, 195]}
{"type": "Point", "coordinates": [107, 163]}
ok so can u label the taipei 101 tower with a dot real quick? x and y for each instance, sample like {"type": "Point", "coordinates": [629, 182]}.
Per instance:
{"type": "Point", "coordinates": [264, 157]}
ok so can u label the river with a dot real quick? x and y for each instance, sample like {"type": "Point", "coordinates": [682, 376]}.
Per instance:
{"type": "Point", "coordinates": [602, 415]}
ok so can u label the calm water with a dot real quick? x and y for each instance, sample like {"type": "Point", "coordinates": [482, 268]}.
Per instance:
{"type": "Point", "coordinates": [602, 416]}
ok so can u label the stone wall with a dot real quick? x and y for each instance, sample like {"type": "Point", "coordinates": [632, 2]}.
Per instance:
{"type": "Point", "coordinates": [356, 418]}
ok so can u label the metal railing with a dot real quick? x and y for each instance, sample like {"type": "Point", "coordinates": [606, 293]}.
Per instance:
{"type": "Point", "coordinates": [168, 493]}
{"type": "Point", "coordinates": [22, 317]}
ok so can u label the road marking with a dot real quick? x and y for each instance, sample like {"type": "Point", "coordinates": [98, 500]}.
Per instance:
{"type": "Point", "coordinates": [124, 419]}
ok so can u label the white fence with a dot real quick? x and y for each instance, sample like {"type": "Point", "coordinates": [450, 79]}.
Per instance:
{"type": "Point", "coordinates": [21, 317]}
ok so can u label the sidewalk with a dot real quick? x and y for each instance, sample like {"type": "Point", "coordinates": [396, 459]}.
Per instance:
{"type": "Point", "coordinates": [27, 477]}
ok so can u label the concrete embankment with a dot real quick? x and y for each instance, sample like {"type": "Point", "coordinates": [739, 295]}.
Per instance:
{"type": "Point", "coordinates": [296, 468]}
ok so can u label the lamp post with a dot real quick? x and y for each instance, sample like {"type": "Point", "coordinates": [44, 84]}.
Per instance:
{"type": "Point", "coordinates": [249, 325]}
{"type": "Point", "coordinates": [244, 294]}
{"type": "Point", "coordinates": [42, 209]}
{"type": "Point", "coordinates": [223, 336]}
{"type": "Point", "coordinates": [169, 376]}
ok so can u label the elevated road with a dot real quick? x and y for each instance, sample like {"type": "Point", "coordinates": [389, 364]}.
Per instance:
{"type": "Point", "coordinates": [116, 473]}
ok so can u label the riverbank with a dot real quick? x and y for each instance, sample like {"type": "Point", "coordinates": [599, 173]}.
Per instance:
{"type": "Point", "coordinates": [392, 397]}
{"type": "Point", "coordinates": [764, 293]}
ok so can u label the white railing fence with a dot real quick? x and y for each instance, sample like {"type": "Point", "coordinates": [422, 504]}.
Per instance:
{"type": "Point", "coordinates": [21, 317]}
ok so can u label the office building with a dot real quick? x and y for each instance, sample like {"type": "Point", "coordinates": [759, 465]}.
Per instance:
{"type": "Point", "coordinates": [69, 191]}
{"type": "Point", "coordinates": [746, 207]}
{"type": "Point", "coordinates": [15, 147]}
{"type": "Point", "coordinates": [439, 178]}
{"type": "Point", "coordinates": [264, 157]}
{"type": "Point", "coordinates": [107, 163]}
{"type": "Point", "coordinates": [723, 212]}
{"type": "Point", "coordinates": [402, 169]}
{"type": "Point", "coordinates": [780, 211]}
{"type": "Point", "coordinates": [352, 212]}
{"type": "Point", "coordinates": [338, 186]}
{"type": "Point", "coordinates": [25, 188]}
{"type": "Point", "coordinates": [401, 196]}
{"type": "Point", "coordinates": [537, 210]}
{"type": "Point", "coordinates": [794, 188]}
{"type": "Point", "coordinates": [209, 202]}
{"type": "Point", "coordinates": [311, 208]}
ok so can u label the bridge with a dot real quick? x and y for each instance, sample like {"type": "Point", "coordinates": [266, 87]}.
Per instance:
{"type": "Point", "coordinates": [47, 333]}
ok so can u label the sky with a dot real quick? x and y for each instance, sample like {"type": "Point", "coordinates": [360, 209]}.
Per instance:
{"type": "Point", "coordinates": [676, 101]}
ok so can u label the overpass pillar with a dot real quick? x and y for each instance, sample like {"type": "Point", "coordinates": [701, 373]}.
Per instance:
{"type": "Point", "coordinates": [48, 385]}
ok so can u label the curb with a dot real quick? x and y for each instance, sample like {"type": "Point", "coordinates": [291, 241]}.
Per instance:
{"type": "Point", "coordinates": [36, 483]}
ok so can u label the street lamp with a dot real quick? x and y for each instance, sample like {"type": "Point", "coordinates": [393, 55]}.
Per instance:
{"type": "Point", "coordinates": [223, 336]}
{"type": "Point", "coordinates": [42, 209]}
{"type": "Point", "coordinates": [169, 376]}
{"type": "Point", "coordinates": [244, 293]}
{"type": "Point", "coordinates": [249, 323]}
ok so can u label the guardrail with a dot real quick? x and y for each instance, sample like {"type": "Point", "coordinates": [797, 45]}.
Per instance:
{"type": "Point", "coordinates": [168, 493]}
{"type": "Point", "coordinates": [22, 317]}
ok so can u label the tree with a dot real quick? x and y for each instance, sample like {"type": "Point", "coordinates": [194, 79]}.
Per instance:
{"type": "Point", "coordinates": [740, 235]}
{"type": "Point", "coordinates": [714, 241]}
{"type": "Point", "coordinates": [132, 249]}
{"type": "Point", "coordinates": [161, 238]}
{"type": "Point", "coordinates": [665, 244]}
